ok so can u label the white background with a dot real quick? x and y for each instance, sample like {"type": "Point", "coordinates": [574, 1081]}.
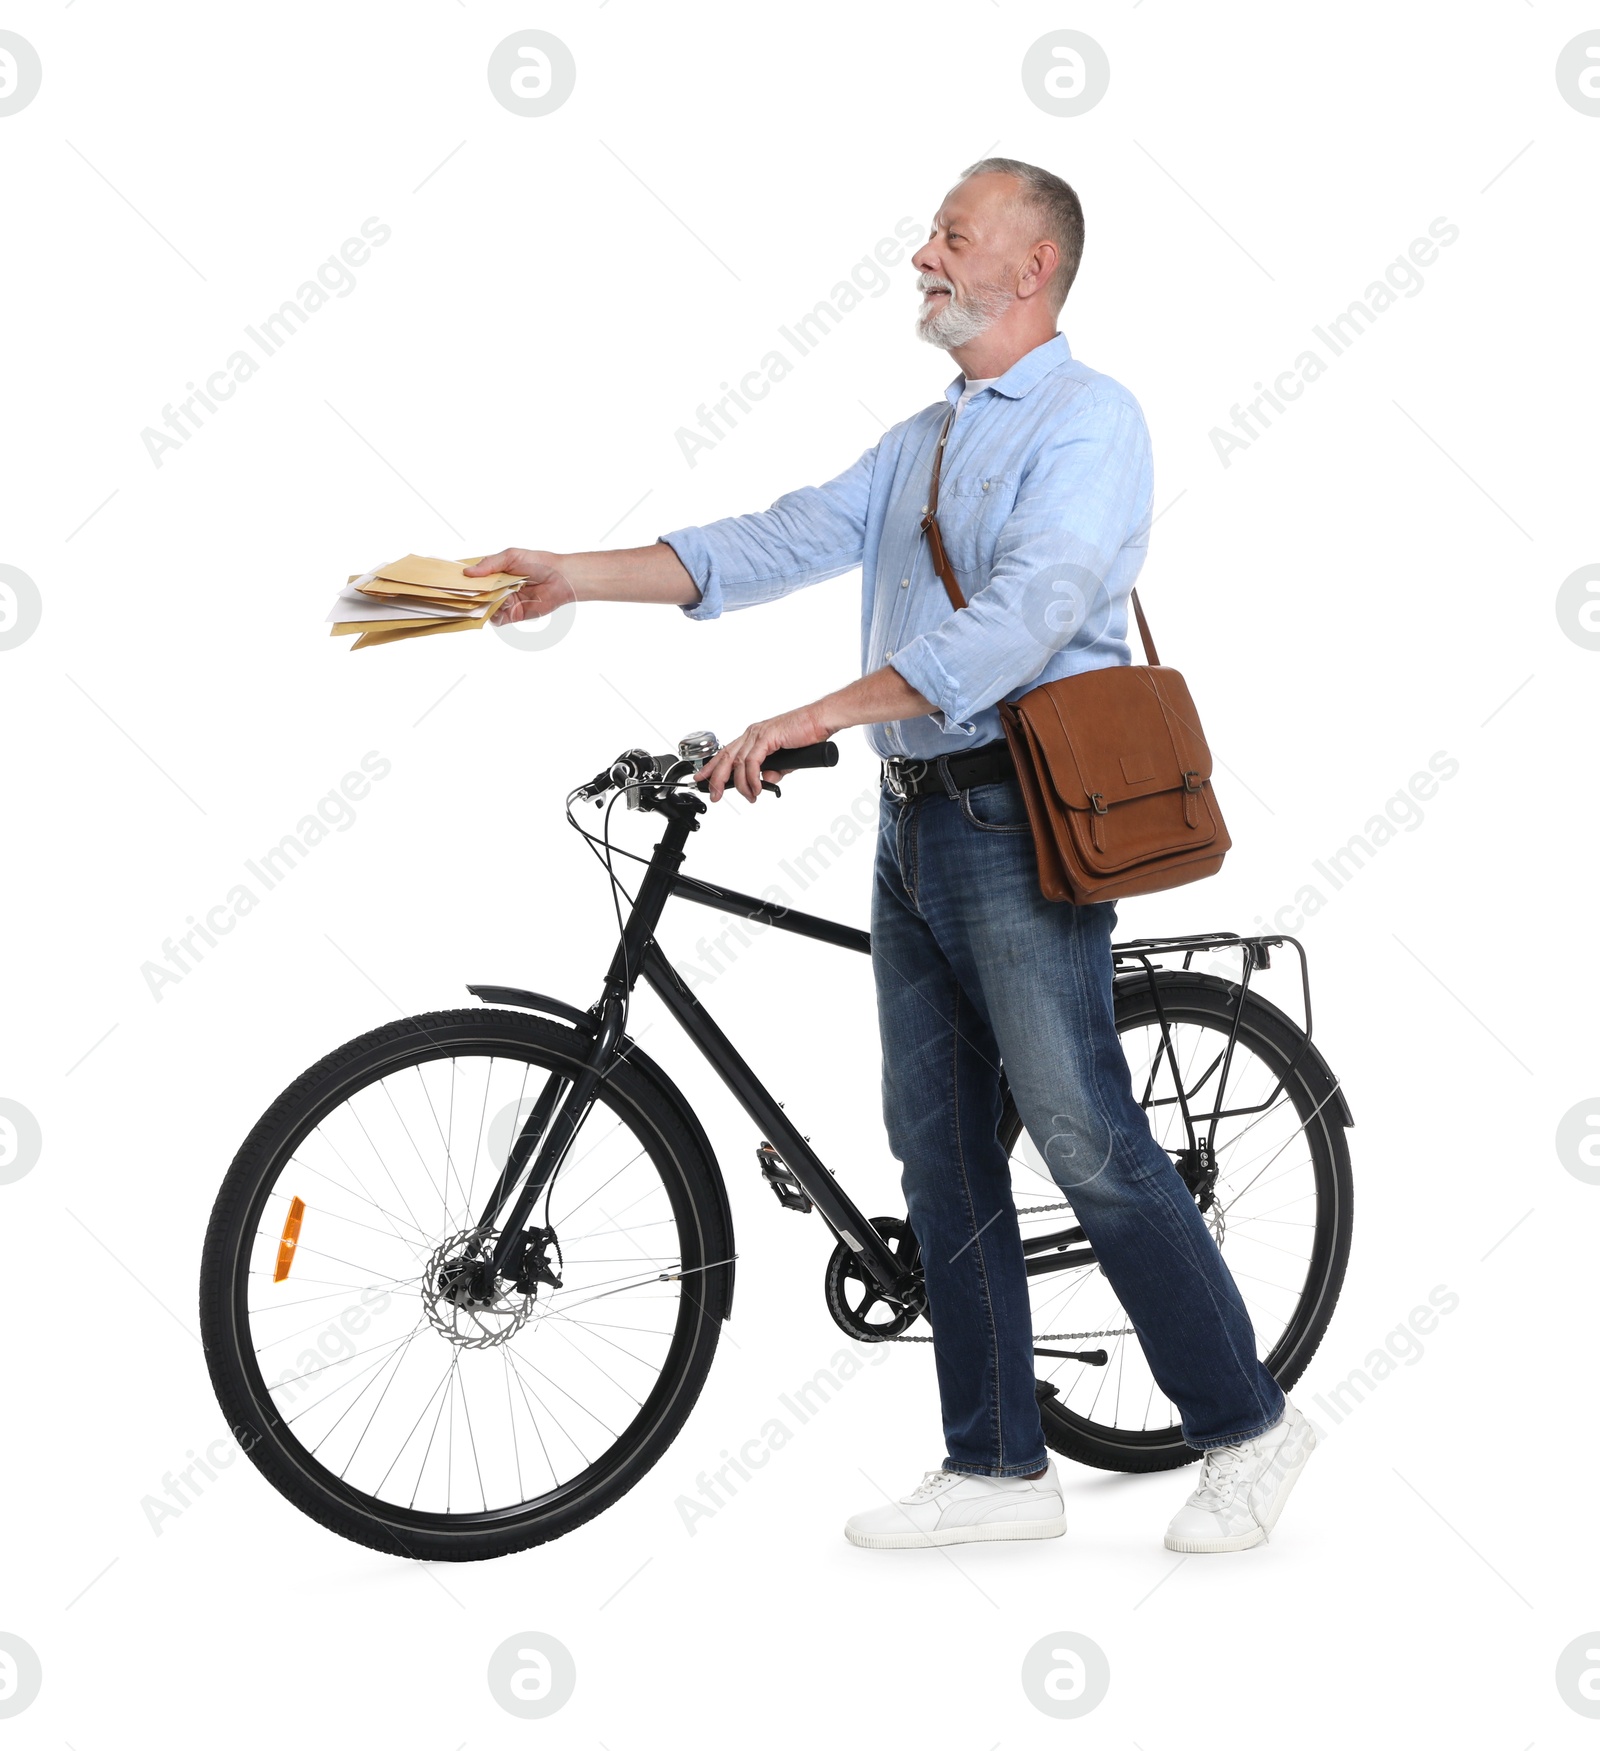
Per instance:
{"type": "Point", "coordinates": [1371, 582]}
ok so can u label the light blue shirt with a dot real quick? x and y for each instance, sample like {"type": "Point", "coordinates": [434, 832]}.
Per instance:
{"type": "Point", "coordinates": [1044, 504]}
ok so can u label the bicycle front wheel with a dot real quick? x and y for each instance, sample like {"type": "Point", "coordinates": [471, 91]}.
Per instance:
{"type": "Point", "coordinates": [382, 1386]}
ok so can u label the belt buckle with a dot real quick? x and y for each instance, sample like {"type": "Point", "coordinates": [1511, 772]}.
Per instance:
{"type": "Point", "coordinates": [914, 772]}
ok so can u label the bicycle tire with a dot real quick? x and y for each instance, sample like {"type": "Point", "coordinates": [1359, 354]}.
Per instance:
{"type": "Point", "coordinates": [639, 1097]}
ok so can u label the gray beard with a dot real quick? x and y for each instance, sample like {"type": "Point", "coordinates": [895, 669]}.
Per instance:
{"type": "Point", "coordinates": [958, 323]}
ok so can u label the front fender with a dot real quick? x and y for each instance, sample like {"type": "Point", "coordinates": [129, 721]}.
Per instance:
{"type": "Point", "coordinates": [514, 997]}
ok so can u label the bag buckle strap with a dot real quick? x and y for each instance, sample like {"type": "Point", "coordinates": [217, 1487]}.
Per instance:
{"type": "Point", "coordinates": [1098, 803]}
{"type": "Point", "coordinates": [1191, 789]}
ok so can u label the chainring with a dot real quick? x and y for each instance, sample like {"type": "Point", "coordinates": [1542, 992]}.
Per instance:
{"type": "Point", "coordinates": [854, 1296]}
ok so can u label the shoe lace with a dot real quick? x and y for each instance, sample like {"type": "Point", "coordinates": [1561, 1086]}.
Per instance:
{"type": "Point", "coordinates": [1220, 1475]}
{"type": "Point", "coordinates": [931, 1484]}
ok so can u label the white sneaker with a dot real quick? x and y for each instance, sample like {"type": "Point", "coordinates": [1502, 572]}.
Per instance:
{"type": "Point", "coordinates": [1243, 1488]}
{"type": "Point", "coordinates": [954, 1507]}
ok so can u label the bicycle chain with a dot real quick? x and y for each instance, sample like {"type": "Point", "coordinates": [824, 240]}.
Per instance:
{"type": "Point", "coordinates": [1038, 1337]}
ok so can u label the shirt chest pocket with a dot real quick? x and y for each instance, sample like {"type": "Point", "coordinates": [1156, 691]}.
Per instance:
{"type": "Point", "coordinates": [973, 507]}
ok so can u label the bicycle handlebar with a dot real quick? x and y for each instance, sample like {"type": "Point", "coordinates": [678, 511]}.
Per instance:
{"type": "Point", "coordinates": [637, 767]}
{"type": "Point", "coordinates": [797, 759]}
{"type": "Point", "coordinates": [792, 760]}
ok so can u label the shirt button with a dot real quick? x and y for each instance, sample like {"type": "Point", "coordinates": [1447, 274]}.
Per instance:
{"type": "Point", "coordinates": [986, 486]}
{"type": "Point", "coordinates": [905, 583]}
{"type": "Point", "coordinates": [887, 655]}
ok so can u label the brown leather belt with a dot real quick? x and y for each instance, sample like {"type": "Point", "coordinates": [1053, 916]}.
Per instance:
{"type": "Point", "coordinates": [905, 779]}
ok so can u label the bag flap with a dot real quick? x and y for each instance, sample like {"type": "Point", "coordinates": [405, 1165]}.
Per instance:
{"type": "Point", "coordinates": [1119, 733]}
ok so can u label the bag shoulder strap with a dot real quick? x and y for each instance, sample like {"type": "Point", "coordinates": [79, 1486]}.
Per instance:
{"type": "Point", "coordinates": [1144, 632]}
{"type": "Point", "coordinates": [930, 523]}
{"type": "Point", "coordinates": [941, 560]}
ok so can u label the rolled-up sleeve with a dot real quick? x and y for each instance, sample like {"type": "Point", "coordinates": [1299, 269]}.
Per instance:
{"type": "Point", "coordinates": [806, 536]}
{"type": "Point", "coordinates": [1084, 499]}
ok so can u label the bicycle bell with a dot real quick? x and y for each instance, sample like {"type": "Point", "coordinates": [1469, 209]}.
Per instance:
{"type": "Point", "coordinates": [698, 746]}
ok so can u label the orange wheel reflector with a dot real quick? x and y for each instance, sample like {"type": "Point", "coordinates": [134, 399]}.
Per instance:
{"type": "Point", "coordinates": [291, 1239]}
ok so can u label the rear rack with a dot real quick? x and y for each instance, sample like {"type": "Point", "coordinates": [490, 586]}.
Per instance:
{"type": "Point", "coordinates": [1129, 959]}
{"type": "Point", "coordinates": [1139, 958]}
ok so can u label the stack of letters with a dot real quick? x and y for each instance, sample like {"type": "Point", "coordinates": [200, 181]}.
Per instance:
{"type": "Point", "coordinates": [416, 596]}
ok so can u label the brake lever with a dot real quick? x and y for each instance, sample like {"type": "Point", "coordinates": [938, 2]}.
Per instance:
{"type": "Point", "coordinates": [766, 784]}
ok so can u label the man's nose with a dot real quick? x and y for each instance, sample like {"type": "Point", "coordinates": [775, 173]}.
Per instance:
{"type": "Point", "coordinates": [925, 261]}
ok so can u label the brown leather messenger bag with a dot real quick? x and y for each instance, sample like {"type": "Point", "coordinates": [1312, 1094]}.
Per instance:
{"type": "Point", "coordinates": [1113, 764]}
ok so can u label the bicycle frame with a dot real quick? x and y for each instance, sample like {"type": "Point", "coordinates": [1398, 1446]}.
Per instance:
{"type": "Point", "coordinates": [550, 1129]}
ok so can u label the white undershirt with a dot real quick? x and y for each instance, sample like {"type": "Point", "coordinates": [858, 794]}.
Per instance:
{"type": "Point", "coordinates": [970, 387]}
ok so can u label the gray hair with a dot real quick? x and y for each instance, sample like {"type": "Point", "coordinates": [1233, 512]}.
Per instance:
{"type": "Point", "coordinates": [1054, 202]}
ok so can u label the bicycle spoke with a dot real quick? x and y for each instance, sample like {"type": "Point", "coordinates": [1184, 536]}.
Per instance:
{"type": "Point", "coordinates": [365, 1196]}
{"type": "Point", "coordinates": [384, 1164]}
{"type": "Point", "coordinates": [401, 1355]}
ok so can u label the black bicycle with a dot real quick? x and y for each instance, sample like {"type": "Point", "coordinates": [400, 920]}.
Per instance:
{"type": "Point", "coordinates": [464, 1280]}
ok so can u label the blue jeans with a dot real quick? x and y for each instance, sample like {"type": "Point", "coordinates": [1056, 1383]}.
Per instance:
{"type": "Point", "coordinates": [975, 970]}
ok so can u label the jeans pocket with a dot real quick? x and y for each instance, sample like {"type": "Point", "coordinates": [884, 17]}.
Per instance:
{"type": "Point", "coordinates": [995, 808]}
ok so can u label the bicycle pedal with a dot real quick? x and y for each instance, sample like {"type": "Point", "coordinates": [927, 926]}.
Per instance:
{"type": "Point", "coordinates": [788, 1190]}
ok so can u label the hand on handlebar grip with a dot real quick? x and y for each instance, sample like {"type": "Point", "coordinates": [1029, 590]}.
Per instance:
{"type": "Point", "coordinates": [738, 764]}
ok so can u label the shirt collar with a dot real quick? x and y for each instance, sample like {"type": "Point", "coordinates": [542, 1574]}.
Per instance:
{"type": "Point", "coordinates": [1030, 369]}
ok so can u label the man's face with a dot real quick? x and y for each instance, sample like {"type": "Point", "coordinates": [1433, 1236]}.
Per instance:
{"type": "Point", "coordinates": [967, 270]}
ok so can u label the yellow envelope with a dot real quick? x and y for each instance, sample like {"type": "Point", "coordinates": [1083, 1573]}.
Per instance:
{"type": "Point", "coordinates": [414, 629]}
{"type": "Point", "coordinates": [441, 574]}
{"type": "Point", "coordinates": [342, 628]}
{"type": "Point", "coordinates": [405, 594]}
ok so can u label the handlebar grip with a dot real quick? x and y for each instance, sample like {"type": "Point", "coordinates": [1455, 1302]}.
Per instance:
{"type": "Point", "coordinates": [797, 759]}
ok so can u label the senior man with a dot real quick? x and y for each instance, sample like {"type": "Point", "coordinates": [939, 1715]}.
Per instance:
{"type": "Point", "coordinates": [1046, 480]}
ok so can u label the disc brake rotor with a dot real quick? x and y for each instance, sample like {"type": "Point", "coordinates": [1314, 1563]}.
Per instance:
{"type": "Point", "coordinates": [461, 1305]}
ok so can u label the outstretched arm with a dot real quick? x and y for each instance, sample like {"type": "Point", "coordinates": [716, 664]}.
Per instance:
{"type": "Point", "coordinates": [626, 574]}
{"type": "Point", "coordinates": [814, 533]}
{"type": "Point", "coordinates": [807, 535]}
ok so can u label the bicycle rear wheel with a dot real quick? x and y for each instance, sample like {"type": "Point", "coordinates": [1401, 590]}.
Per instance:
{"type": "Point", "coordinates": [1280, 1211]}
{"type": "Point", "coordinates": [378, 1383]}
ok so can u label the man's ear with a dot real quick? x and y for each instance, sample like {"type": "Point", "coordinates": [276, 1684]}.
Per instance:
{"type": "Point", "coordinates": [1042, 261]}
